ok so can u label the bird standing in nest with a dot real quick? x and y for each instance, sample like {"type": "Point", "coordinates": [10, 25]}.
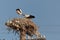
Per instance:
{"type": "Point", "coordinates": [19, 12]}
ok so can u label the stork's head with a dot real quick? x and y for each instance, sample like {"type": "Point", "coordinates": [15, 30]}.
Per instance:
{"type": "Point", "coordinates": [19, 11]}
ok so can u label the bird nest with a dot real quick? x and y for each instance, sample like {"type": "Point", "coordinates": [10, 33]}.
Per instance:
{"type": "Point", "coordinates": [20, 24]}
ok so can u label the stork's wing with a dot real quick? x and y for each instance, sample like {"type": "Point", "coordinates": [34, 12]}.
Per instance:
{"type": "Point", "coordinates": [30, 16]}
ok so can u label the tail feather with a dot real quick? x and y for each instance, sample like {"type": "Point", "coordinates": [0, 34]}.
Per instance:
{"type": "Point", "coordinates": [31, 16]}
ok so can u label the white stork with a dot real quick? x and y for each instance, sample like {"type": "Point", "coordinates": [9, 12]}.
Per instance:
{"type": "Point", "coordinates": [19, 12]}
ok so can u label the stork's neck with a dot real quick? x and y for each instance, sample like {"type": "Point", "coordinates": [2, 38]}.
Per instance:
{"type": "Point", "coordinates": [23, 14]}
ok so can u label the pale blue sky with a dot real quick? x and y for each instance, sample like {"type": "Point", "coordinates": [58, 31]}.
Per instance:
{"type": "Point", "coordinates": [47, 14]}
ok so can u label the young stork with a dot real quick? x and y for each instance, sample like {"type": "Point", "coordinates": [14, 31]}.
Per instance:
{"type": "Point", "coordinates": [19, 12]}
